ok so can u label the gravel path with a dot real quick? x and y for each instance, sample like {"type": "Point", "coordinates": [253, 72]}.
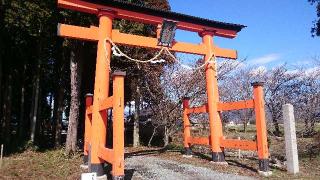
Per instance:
{"type": "Point", "coordinates": [148, 167]}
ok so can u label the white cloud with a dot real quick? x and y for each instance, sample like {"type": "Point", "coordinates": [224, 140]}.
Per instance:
{"type": "Point", "coordinates": [265, 59]}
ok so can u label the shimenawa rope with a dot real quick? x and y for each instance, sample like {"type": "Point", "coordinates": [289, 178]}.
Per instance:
{"type": "Point", "coordinates": [117, 52]}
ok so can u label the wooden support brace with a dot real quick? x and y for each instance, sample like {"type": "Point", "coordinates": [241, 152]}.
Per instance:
{"type": "Point", "coordinates": [106, 103]}
{"type": "Point", "coordinates": [87, 126]}
{"type": "Point", "coordinates": [197, 110]}
{"type": "Point", "coordinates": [239, 144]}
{"type": "Point", "coordinates": [199, 140]}
{"type": "Point", "coordinates": [91, 34]}
{"type": "Point", "coordinates": [106, 154]}
{"type": "Point", "coordinates": [77, 32]}
{"type": "Point", "coordinates": [89, 110]}
{"type": "Point", "coordinates": [149, 42]}
{"type": "Point", "coordinates": [86, 146]}
{"type": "Point", "coordinates": [228, 106]}
{"type": "Point", "coordinates": [225, 53]}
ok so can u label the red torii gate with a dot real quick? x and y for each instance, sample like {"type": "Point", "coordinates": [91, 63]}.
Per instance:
{"type": "Point", "coordinates": [96, 106]}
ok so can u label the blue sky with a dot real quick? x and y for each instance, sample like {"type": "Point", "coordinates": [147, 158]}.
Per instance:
{"type": "Point", "coordinates": [278, 30]}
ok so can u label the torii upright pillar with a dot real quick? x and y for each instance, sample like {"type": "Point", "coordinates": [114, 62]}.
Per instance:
{"type": "Point", "coordinates": [213, 98]}
{"type": "Point", "coordinates": [101, 91]}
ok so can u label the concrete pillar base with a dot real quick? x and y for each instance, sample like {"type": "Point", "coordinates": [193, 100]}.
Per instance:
{"type": "Point", "coordinates": [265, 173]}
{"type": "Point", "coordinates": [224, 163]}
{"type": "Point", "coordinates": [264, 165]}
{"type": "Point", "coordinates": [187, 151]}
{"type": "Point", "coordinates": [97, 168]}
{"type": "Point", "coordinates": [103, 177]}
{"type": "Point", "coordinates": [218, 157]}
{"type": "Point", "coordinates": [84, 166]}
{"type": "Point", "coordinates": [187, 156]}
{"type": "Point", "coordinates": [117, 177]}
{"type": "Point", "coordinates": [85, 159]}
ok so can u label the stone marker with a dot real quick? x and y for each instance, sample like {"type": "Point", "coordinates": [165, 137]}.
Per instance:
{"type": "Point", "coordinates": [89, 176]}
{"type": "Point", "coordinates": [290, 138]}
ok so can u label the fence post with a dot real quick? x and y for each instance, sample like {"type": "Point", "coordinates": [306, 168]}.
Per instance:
{"type": "Point", "coordinates": [290, 139]}
{"type": "Point", "coordinates": [1, 155]}
{"type": "Point", "coordinates": [239, 150]}
{"type": "Point", "coordinates": [186, 128]}
{"type": "Point", "coordinates": [87, 130]}
{"type": "Point", "coordinates": [262, 142]}
{"type": "Point", "coordinates": [118, 125]}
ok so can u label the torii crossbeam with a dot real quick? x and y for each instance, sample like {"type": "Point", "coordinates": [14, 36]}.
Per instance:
{"type": "Point", "coordinates": [96, 117]}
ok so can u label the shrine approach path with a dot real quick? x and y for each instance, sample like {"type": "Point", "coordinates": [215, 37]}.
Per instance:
{"type": "Point", "coordinates": [151, 167]}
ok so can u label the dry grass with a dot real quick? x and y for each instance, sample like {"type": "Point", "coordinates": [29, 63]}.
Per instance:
{"type": "Point", "coordinates": [51, 164]}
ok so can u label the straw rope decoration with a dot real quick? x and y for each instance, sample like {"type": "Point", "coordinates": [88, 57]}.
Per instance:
{"type": "Point", "coordinates": [117, 52]}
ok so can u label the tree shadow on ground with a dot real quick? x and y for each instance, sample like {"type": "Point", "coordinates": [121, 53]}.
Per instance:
{"type": "Point", "coordinates": [241, 165]}
{"type": "Point", "coordinates": [149, 152]}
{"type": "Point", "coordinates": [142, 153]}
{"type": "Point", "coordinates": [230, 162]}
{"type": "Point", "coordinates": [202, 156]}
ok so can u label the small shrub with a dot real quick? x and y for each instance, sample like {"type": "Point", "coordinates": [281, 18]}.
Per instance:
{"type": "Point", "coordinates": [30, 146]}
{"type": "Point", "coordinates": [174, 147]}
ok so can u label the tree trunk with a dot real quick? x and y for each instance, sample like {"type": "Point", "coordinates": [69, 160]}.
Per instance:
{"type": "Point", "coordinates": [312, 126]}
{"type": "Point", "coordinates": [7, 109]}
{"type": "Point", "coordinates": [276, 127]}
{"type": "Point", "coordinates": [22, 101]}
{"type": "Point", "coordinates": [39, 123]}
{"type": "Point", "coordinates": [75, 76]}
{"type": "Point", "coordinates": [136, 136]}
{"type": "Point", "coordinates": [32, 103]}
{"type": "Point", "coordinates": [59, 91]}
{"type": "Point", "coordinates": [152, 136]}
{"type": "Point", "coordinates": [246, 119]}
{"type": "Point", "coordinates": [2, 52]}
{"type": "Point", "coordinates": [36, 92]}
{"type": "Point", "coordinates": [166, 137]}
{"type": "Point", "coordinates": [57, 114]}
{"type": "Point", "coordinates": [36, 102]}
{"type": "Point", "coordinates": [306, 124]}
{"type": "Point", "coordinates": [1, 91]}
{"type": "Point", "coordinates": [245, 125]}
{"type": "Point", "coordinates": [0, 75]}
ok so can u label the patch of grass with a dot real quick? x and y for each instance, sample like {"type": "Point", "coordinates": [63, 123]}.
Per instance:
{"type": "Point", "coordinates": [317, 127]}
{"type": "Point", "coordinates": [174, 147]}
{"type": "Point", "coordinates": [51, 164]}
